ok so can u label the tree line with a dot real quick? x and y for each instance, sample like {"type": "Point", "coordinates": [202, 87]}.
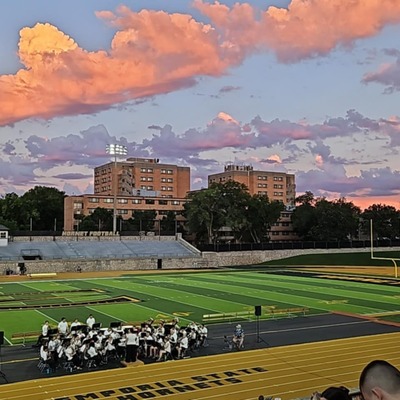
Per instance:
{"type": "Point", "coordinates": [207, 212]}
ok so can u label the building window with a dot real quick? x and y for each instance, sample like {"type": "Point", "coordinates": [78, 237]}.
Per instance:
{"type": "Point", "coordinates": [3, 235]}
{"type": "Point", "coordinates": [136, 201]}
{"type": "Point", "coordinates": [278, 193]}
{"type": "Point", "coordinates": [276, 186]}
{"type": "Point", "coordinates": [170, 171]}
{"type": "Point", "coordinates": [150, 201]}
{"type": "Point", "coordinates": [123, 201]}
{"type": "Point", "coordinates": [278, 178]}
{"type": "Point", "coordinates": [149, 188]}
{"type": "Point", "coordinates": [93, 199]}
{"type": "Point", "coordinates": [170, 188]}
{"type": "Point", "coordinates": [78, 206]}
{"type": "Point", "coordinates": [262, 193]}
{"type": "Point", "coordinates": [163, 202]}
{"type": "Point", "coordinates": [262, 185]}
{"type": "Point", "coordinates": [176, 202]}
{"type": "Point", "coordinates": [108, 200]}
{"type": "Point", "coordinates": [163, 188]}
{"type": "Point", "coordinates": [262, 177]}
{"type": "Point", "coordinates": [122, 212]}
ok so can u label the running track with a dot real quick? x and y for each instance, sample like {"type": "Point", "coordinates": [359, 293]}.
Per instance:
{"type": "Point", "coordinates": [287, 372]}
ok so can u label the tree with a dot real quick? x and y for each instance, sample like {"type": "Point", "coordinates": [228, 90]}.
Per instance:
{"type": "Point", "coordinates": [208, 210]}
{"type": "Point", "coordinates": [45, 205]}
{"type": "Point", "coordinates": [304, 217]}
{"type": "Point", "coordinates": [336, 220]}
{"type": "Point", "coordinates": [100, 220]}
{"type": "Point", "coordinates": [260, 215]}
{"type": "Point", "coordinates": [386, 220]}
{"type": "Point", "coordinates": [10, 211]}
{"type": "Point", "coordinates": [168, 222]}
{"type": "Point", "coordinates": [323, 220]}
{"type": "Point", "coordinates": [144, 220]}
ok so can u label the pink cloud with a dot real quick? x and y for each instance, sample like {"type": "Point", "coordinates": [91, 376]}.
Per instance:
{"type": "Point", "coordinates": [305, 29]}
{"type": "Point", "coordinates": [387, 74]}
{"type": "Point", "coordinates": [155, 52]}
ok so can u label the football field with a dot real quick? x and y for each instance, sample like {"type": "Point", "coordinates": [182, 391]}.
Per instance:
{"type": "Point", "coordinates": [25, 305]}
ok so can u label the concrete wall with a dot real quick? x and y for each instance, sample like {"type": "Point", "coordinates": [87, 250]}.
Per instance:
{"type": "Point", "coordinates": [208, 260]}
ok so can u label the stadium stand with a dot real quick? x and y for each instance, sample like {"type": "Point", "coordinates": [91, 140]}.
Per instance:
{"type": "Point", "coordinates": [87, 249]}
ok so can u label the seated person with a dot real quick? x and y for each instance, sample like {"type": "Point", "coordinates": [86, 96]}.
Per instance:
{"type": "Point", "coordinates": [238, 337]}
{"type": "Point", "coordinates": [92, 353]}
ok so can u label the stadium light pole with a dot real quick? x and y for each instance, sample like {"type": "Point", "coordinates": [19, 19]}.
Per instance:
{"type": "Point", "coordinates": [115, 150]}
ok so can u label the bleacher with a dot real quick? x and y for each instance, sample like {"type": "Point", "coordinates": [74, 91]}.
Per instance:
{"type": "Point", "coordinates": [94, 249]}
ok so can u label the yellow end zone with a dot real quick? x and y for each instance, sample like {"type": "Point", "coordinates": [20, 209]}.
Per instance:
{"type": "Point", "coordinates": [288, 372]}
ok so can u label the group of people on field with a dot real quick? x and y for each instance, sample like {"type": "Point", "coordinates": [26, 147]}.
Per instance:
{"type": "Point", "coordinates": [74, 345]}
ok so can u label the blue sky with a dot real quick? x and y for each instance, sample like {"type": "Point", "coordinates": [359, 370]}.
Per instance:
{"type": "Point", "coordinates": [306, 87]}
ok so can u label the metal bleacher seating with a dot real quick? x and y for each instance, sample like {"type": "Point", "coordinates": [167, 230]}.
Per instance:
{"type": "Point", "coordinates": [79, 249]}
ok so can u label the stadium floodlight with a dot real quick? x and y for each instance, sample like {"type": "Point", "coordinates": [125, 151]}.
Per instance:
{"type": "Point", "coordinates": [115, 150]}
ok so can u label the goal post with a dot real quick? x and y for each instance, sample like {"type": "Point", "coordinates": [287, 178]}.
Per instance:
{"type": "Point", "coordinates": [381, 258]}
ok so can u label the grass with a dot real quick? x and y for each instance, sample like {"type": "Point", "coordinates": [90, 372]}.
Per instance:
{"type": "Point", "coordinates": [348, 259]}
{"type": "Point", "coordinates": [186, 295]}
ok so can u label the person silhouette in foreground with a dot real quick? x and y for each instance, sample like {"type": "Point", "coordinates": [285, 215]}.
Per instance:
{"type": "Point", "coordinates": [380, 380]}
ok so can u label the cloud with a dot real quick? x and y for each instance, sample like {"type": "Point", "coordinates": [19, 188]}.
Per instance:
{"type": "Point", "coordinates": [73, 176]}
{"type": "Point", "coordinates": [331, 181]}
{"type": "Point", "coordinates": [387, 74]}
{"type": "Point", "coordinates": [155, 52]}
{"type": "Point", "coordinates": [305, 29]}
{"type": "Point", "coordinates": [282, 144]}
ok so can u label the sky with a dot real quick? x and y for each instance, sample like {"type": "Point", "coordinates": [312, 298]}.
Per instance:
{"type": "Point", "coordinates": [307, 87]}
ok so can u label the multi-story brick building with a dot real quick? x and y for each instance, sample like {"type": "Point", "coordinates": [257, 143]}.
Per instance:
{"type": "Point", "coordinates": [137, 184]}
{"type": "Point", "coordinates": [276, 185]}
{"type": "Point", "coordinates": [140, 184]}
{"type": "Point", "coordinates": [75, 207]}
{"type": "Point", "coordinates": [140, 176]}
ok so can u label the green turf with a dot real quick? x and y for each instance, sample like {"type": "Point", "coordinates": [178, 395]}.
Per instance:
{"type": "Point", "coordinates": [349, 259]}
{"type": "Point", "coordinates": [188, 296]}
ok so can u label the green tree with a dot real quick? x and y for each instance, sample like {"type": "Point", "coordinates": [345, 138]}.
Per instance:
{"type": "Point", "coordinates": [336, 220]}
{"type": "Point", "coordinates": [168, 222]}
{"type": "Point", "coordinates": [45, 205]}
{"type": "Point", "coordinates": [323, 220]}
{"type": "Point", "coordinates": [11, 211]}
{"type": "Point", "coordinates": [304, 216]}
{"type": "Point", "coordinates": [385, 219]}
{"type": "Point", "coordinates": [260, 214]}
{"type": "Point", "coordinates": [208, 210]}
{"type": "Point", "coordinates": [144, 220]}
{"type": "Point", "coordinates": [100, 220]}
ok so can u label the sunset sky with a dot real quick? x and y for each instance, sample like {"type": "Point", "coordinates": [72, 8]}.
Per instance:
{"type": "Point", "coordinates": [310, 87]}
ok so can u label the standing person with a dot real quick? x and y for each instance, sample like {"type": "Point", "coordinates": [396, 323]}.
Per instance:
{"type": "Point", "coordinates": [63, 327]}
{"type": "Point", "coordinates": [90, 321]}
{"type": "Point", "coordinates": [132, 344]}
{"type": "Point", "coordinates": [380, 380]}
{"type": "Point", "coordinates": [44, 334]}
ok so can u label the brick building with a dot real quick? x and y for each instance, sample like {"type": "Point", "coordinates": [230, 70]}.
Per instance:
{"type": "Point", "coordinates": [137, 184]}
{"type": "Point", "coordinates": [276, 185]}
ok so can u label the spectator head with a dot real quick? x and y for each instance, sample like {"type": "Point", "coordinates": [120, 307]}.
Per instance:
{"type": "Point", "coordinates": [380, 380]}
{"type": "Point", "coordinates": [336, 393]}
